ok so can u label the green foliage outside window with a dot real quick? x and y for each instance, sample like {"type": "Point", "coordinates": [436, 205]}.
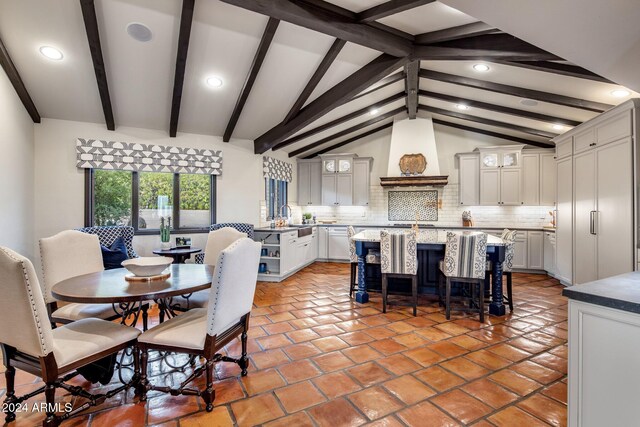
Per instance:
{"type": "Point", "coordinates": [112, 192]}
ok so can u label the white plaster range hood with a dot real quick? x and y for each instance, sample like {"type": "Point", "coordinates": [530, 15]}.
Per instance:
{"type": "Point", "coordinates": [413, 137]}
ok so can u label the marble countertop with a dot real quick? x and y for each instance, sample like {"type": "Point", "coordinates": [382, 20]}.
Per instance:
{"type": "Point", "coordinates": [423, 237]}
{"type": "Point", "coordinates": [619, 292]}
{"type": "Point", "coordinates": [441, 226]}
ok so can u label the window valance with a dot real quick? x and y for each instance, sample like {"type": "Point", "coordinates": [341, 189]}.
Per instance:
{"type": "Point", "coordinates": [134, 156]}
{"type": "Point", "coordinates": [277, 169]}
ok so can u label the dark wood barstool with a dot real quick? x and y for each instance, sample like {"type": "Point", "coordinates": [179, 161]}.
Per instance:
{"type": "Point", "coordinates": [398, 256]}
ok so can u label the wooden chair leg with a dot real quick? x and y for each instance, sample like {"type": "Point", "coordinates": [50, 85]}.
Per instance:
{"type": "Point", "coordinates": [136, 369]}
{"type": "Point", "coordinates": [209, 394]}
{"type": "Point", "coordinates": [384, 293]}
{"type": "Point", "coordinates": [509, 290]}
{"type": "Point", "coordinates": [244, 360]}
{"type": "Point", "coordinates": [440, 289]}
{"type": "Point", "coordinates": [481, 300]}
{"type": "Point", "coordinates": [144, 381]}
{"type": "Point", "coordinates": [447, 302]}
{"type": "Point", "coordinates": [414, 291]}
{"type": "Point", "coordinates": [352, 281]}
{"type": "Point", "coordinates": [50, 398]}
{"type": "Point", "coordinates": [10, 375]}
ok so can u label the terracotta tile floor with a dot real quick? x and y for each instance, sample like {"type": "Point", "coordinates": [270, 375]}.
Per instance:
{"type": "Point", "coordinates": [319, 359]}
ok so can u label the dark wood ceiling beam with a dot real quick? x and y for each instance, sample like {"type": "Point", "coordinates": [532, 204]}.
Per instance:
{"type": "Point", "coordinates": [382, 66]}
{"type": "Point", "coordinates": [552, 98]}
{"type": "Point", "coordinates": [498, 42]}
{"type": "Point", "coordinates": [488, 122]}
{"type": "Point", "coordinates": [93, 37]}
{"type": "Point", "coordinates": [440, 53]}
{"type": "Point", "coordinates": [258, 59]}
{"type": "Point", "coordinates": [493, 134]}
{"type": "Point", "coordinates": [350, 140]}
{"type": "Point", "coordinates": [322, 69]}
{"type": "Point", "coordinates": [412, 86]}
{"type": "Point", "coordinates": [389, 8]}
{"type": "Point", "coordinates": [389, 80]}
{"type": "Point", "coordinates": [557, 68]}
{"type": "Point", "coordinates": [18, 84]}
{"type": "Point", "coordinates": [186, 19]}
{"type": "Point", "coordinates": [347, 131]}
{"type": "Point", "coordinates": [499, 108]}
{"type": "Point", "coordinates": [454, 33]}
{"type": "Point", "coordinates": [339, 120]}
{"type": "Point", "coordinates": [318, 17]}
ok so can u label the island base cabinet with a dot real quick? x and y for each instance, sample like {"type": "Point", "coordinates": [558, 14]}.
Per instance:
{"type": "Point", "coordinates": [604, 373]}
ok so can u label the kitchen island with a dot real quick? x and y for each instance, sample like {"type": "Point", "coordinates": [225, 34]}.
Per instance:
{"type": "Point", "coordinates": [431, 246]}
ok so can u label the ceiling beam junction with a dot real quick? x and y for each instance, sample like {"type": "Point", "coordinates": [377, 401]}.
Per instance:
{"type": "Point", "coordinates": [389, 8]}
{"type": "Point", "coordinates": [411, 87]}
{"type": "Point", "coordinates": [350, 140]}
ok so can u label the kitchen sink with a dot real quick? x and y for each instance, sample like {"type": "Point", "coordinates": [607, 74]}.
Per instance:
{"type": "Point", "coordinates": [305, 231]}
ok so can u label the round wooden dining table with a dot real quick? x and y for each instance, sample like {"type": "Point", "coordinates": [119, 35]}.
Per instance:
{"type": "Point", "coordinates": [111, 287]}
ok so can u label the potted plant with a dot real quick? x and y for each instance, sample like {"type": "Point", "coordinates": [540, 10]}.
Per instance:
{"type": "Point", "coordinates": [306, 218]}
{"type": "Point", "coordinates": [165, 232]}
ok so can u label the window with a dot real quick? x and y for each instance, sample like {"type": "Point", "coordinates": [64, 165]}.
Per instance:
{"type": "Point", "coordinates": [142, 198]}
{"type": "Point", "coordinates": [276, 196]}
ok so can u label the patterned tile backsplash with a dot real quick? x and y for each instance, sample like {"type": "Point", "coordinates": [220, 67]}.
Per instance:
{"type": "Point", "coordinates": [449, 213]}
{"type": "Point", "coordinates": [413, 205]}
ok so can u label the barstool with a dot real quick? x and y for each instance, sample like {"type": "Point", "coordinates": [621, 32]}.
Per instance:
{"type": "Point", "coordinates": [507, 265]}
{"type": "Point", "coordinates": [398, 255]}
{"type": "Point", "coordinates": [371, 258]}
{"type": "Point", "coordinates": [464, 262]}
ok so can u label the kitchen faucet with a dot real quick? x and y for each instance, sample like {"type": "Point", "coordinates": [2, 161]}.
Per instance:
{"type": "Point", "coordinates": [286, 206]}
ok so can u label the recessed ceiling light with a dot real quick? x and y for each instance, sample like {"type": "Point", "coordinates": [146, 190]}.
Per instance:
{"type": "Point", "coordinates": [620, 93]}
{"type": "Point", "coordinates": [373, 112]}
{"type": "Point", "coordinates": [214, 81]}
{"type": "Point", "coordinates": [558, 127]}
{"type": "Point", "coordinates": [462, 107]}
{"type": "Point", "coordinates": [139, 32]}
{"type": "Point", "coordinates": [51, 53]}
{"type": "Point", "coordinates": [481, 68]}
{"type": "Point", "coordinates": [528, 102]}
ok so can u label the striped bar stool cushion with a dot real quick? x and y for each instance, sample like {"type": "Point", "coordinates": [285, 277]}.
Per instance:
{"type": "Point", "coordinates": [465, 255]}
{"type": "Point", "coordinates": [353, 257]}
{"type": "Point", "coordinates": [398, 252]}
{"type": "Point", "coordinates": [510, 237]}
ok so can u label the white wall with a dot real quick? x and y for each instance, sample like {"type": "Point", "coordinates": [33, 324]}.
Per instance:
{"type": "Point", "coordinates": [59, 185]}
{"type": "Point", "coordinates": [16, 171]}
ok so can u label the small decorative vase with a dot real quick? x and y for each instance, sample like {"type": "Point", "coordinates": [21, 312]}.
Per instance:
{"type": "Point", "coordinates": [165, 233]}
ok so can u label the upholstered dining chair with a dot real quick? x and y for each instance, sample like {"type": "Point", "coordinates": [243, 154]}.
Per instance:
{"type": "Point", "coordinates": [464, 262]}
{"type": "Point", "coordinates": [204, 331]}
{"type": "Point", "coordinates": [508, 236]}
{"type": "Point", "coordinates": [108, 234]}
{"type": "Point", "coordinates": [217, 241]}
{"type": "Point", "coordinates": [399, 260]}
{"type": "Point", "coordinates": [30, 344]}
{"type": "Point", "coordinates": [69, 254]}
{"type": "Point", "coordinates": [240, 226]}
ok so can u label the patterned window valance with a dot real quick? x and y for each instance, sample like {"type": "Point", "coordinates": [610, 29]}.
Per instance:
{"type": "Point", "coordinates": [133, 156]}
{"type": "Point", "coordinates": [277, 169]}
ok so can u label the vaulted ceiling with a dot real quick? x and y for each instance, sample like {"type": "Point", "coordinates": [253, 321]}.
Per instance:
{"type": "Point", "coordinates": [299, 76]}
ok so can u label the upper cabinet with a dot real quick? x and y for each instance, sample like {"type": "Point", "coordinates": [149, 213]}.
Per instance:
{"type": "Point", "coordinates": [334, 180]}
{"type": "Point", "coordinates": [501, 175]}
{"type": "Point", "coordinates": [340, 164]}
{"type": "Point", "coordinates": [361, 181]}
{"type": "Point", "coordinates": [469, 178]}
{"type": "Point", "coordinates": [309, 182]}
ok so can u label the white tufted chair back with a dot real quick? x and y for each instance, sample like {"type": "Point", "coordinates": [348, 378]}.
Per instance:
{"type": "Point", "coordinates": [24, 323]}
{"type": "Point", "coordinates": [234, 285]}
{"type": "Point", "coordinates": [68, 254]}
{"type": "Point", "coordinates": [218, 241]}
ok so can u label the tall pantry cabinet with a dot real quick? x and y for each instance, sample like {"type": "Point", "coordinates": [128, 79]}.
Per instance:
{"type": "Point", "coordinates": [596, 180]}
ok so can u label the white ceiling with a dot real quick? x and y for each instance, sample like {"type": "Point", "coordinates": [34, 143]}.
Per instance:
{"type": "Point", "coordinates": [224, 40]}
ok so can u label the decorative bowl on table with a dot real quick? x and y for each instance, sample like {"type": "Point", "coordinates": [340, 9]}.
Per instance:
{"type": "Point", "coordinates": [147, 266]}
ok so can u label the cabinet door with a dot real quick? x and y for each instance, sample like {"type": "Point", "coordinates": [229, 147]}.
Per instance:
{"type": "Point", "coordinates": [510, 185]}
{"type": "Point", "coordinates": [547, 180]}
{"type": "Point", "coordinates": [549, 251]}
{"type": "Point", "coordinates": [535, 250]}
{"type": "Point", "coordinates": [338, 244]}
{"type": "Point", "coordinates": [520, 251]}
{"type": "Point", "coordinates": [585, 267]}
{"type": "Point", "coordinates": [304, 183]}
{"type": "Point", "coordinates": [287, 252]}
{"type": "Point", "coordinates": [489, 187]}
{"type": "Point", "coordinates": [315, 183]}
{"type": "Point", "coordinates": [531, 179]}
{"type": "Point", "coordinates": [323, 235]}
{"type": "Point", "coordinates": [344, 190]}
{"type": "Point", "coordinates": [313, 254]}
{"type": "Point", "coordinates": [329, 195]}
{"type": "Point", "coordinates": [614, 220]}
{"type": "Point", "coordinates": [564, 220]}
{"type": "Point", "coordinates": [361, 183]}
{"type": "Point", "coordinates": [469, 180]}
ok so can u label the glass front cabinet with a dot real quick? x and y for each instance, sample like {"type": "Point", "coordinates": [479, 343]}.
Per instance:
{"type": "Point", "coordinates": [500, 175]}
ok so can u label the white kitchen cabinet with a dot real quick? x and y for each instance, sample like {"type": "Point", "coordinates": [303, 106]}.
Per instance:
{"type": "Point", "coordinates": [584, 189]}
{"type": "Point", "coordinates": [520, 251]}
{"type": "Point", "coordinates": [338, 244]}
{"type": "Point", "coordinates": [550, 252]}
{"type": "Point", "coordinates": [469, 179]}
{"type": "Point", "coordinates": [564, 220]}
{"type": "Point", "coordinates": [288, 261]}
{"type": "Point", "coordinates": [490, 187]}
{"type": "Point", "coordinates": [309, 182]}
{"type": "Point", "coordinates": [361, 181]}
{"type": "Point", "coordinates": [510, 187]}
{"type": "Point", "coordinates": [531, 179]}
{"type": "Point", "coordinates": [547, 179]}
{"type": "Point", "coordinates": [501, 175]}
{"type": "Point", "coordinates": [535, 250]}
{"type": "Point", "coordinates": [337, 189]}
{"type": "Point", "coordinates": [323, 237]}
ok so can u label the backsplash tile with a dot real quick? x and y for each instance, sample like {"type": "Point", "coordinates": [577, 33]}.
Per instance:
{"type": "Point", "coordinates": [413, 205]}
